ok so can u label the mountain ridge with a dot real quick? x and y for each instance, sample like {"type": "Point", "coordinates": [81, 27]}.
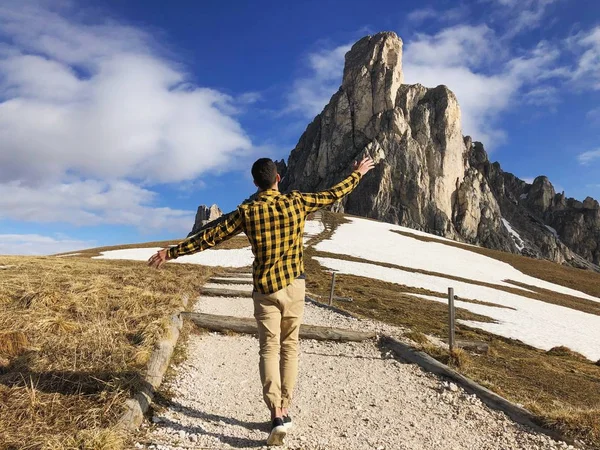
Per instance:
{"type": "Point", "coordinates": [428, 175]}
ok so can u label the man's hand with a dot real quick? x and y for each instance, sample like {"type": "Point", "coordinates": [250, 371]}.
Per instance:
{"type": "Point", "coordinates": [364, 166]}
{"type": "Point", "coordinates": [159, 258]}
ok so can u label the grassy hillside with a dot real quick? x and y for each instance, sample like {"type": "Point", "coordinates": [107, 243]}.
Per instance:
{"type": "Point", "coordinates": [75, 335]}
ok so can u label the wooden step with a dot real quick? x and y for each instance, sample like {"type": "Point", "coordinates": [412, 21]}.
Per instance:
{"type": "Point", "coordinates": [234, 275]}
{"type": "Point", "coordinates": [216, 292]}
{"type": "Point", "coordinates": [246, 281]}
{"type": "Point", "coordinates": [240, 270]}
{"type": "Point", "coordinates": [247, 325]}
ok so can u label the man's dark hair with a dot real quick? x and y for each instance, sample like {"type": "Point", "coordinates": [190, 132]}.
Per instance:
{"type": "Point", "coordinates": [264, 172]}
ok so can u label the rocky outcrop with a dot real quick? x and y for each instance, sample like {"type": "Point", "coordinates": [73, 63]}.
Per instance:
{"type": "Point", "coordinates": [205, 215]}
{"type": "Point", "coordinates": [575, 223]}
{"type": "Point", "coordinates": [422, 178]}
{"type": "Point", "coordinates": [427, 175]}
{"type": "Point", "coordinates": [537, 214]}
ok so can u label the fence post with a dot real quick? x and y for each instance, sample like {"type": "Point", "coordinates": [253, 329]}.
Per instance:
{"type": "Point", "coordinates": [332, 288]}
{"type": "Point", "coordinates": [451, 318]}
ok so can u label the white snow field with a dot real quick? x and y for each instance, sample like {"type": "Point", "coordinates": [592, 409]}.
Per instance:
{"type": "Point", "coordinates": [312, 228]}
{"type": "Point", "coordinates": [239, 257]}
{"type": "Point", "coordinates": [376, 241]}
{"type": "Point", "coordinates": [540, 324]}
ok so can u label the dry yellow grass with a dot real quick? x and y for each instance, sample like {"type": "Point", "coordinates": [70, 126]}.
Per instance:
{"type": "Point", "coordinates": [417, 336]}
{"type": "Point", "coordinates": [560, 386]}
{"type": "Point", "coordinates": [75, 335]}
{"type": "Point", "coordinates": [13, 343]}
{"type": "Point", "coordinates": [566, 351]}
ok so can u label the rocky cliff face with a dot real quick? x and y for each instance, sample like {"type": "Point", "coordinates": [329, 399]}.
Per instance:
{"type": "Point", "coordinates": [427, 175]}
{"type": "Point", "coordinates": [412, 132]}
{"type": "Point", "coordinates": [547, 224]}
{"type": "Point", "coordinates": [205, 215]}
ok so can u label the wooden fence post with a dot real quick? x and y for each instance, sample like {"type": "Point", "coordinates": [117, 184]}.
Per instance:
{"type": "Point", "coordinates": [332, 288]}
{"type": "Point", "coordinates": [451, 318]}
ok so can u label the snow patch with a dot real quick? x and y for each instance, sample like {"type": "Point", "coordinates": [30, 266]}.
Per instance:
{"type": "Point", "coordinates": [539, 324]}
{"type": "Point", "coordinates": [312, 228]}
{"type": "Point", "coordinates": [239, 257]}
{"type": "Point", "coordinates": [516, 238]}
{"type": "Point", "coordinates": [552, 230]}
{"type": "Point", "coordinates": [376, 241]}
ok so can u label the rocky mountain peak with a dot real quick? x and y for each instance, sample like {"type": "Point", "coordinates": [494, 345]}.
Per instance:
{"type": "Point", "coordinates": [412, 132]}
{"type": "Point", "coordinates": [427, 175]}
{"type": "Point", "coordinates": [204, 215]}
{"type": "Point", "coordinates": [375, 63]}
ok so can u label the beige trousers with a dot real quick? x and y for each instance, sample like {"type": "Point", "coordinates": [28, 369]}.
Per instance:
{"type": "Point", "coordinates": [278, 317]}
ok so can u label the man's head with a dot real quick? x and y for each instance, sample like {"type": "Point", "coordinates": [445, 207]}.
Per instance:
{"type": "Point", "coordinates": [265, 174]}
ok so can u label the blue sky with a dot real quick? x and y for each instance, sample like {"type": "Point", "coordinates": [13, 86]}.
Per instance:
{"type": "Point", "coordinates": [117, 119]}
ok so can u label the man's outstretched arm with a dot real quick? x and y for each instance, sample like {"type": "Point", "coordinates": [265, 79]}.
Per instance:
{"type": "Point", "coordinates": [202, 240]}
{"type": "Point", "coordinates": [319, 200]}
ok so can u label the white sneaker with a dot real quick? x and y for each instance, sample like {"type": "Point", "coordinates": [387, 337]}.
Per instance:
{"type": "Point", "coordinates": [278, 432]}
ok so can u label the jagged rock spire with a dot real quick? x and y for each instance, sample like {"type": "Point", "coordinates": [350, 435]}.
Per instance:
{"type": "Point", "coordinates": [427, 175]}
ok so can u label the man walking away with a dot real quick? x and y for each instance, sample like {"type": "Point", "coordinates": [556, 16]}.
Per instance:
{"type": "Point", "coordinates": [274, 224]}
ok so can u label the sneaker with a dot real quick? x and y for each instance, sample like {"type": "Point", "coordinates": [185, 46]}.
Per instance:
{"type": "Point", "coordinates": [277, 432]}
{"type": "Point", "coordinates": [287, 422]}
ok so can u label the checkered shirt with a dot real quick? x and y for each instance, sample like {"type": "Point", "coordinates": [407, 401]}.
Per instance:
{"type": "Point", "coordinates": [274, 225]}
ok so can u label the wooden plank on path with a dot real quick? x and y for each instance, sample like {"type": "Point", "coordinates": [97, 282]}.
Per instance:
{"type": "Point", "coordinates": [241, 270]}
{"type": "Point", "coordinates": [245, 281]}
{"type": "Point", "coordinates": [235, 275]}
{"type": "Point", "coordinates": [217, 292]}
{"type": "Point", "coordinates": [248, 326]}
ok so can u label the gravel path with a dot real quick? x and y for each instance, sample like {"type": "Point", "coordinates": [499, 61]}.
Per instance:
{"type": "Point", "coordinates": [349, 396]}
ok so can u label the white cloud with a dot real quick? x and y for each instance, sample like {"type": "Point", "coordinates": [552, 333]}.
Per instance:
{"type": "Point", "coordinates": [528, 180]}
{"type": "Point", "coordinates": [587, 157]}
{"type": "Point", "coordinates": [542, 96]}
{"type": "Point", "coordinates": [99, 102]}
{"type": "Point", "coordinates": [455, 47]}
{"type": "Point", "coordinates": [248, 98]}
{"type": "Point", "coordinates": [90, 202]}
{"type": "Point", "coordinates": [35, 244]}
{"type": "Point", "coordinates": [587, 71]}
{"type": "Point", "coordinates": [486, 82]}
{"type": "Point", "coordinates": [521, 15]}
{"type": "Point", "coordinates": [593, 115]}
{"type": "Point", "coordinates": [419, 16]}
{"type": "Point", "coordinates": [312, 92]}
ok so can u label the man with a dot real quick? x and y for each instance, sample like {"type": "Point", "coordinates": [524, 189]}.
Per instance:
{"type": "Point", "coordinates": [274, 224]}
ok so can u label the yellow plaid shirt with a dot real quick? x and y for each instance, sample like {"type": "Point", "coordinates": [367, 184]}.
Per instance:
{"type": "Point", "coordinates": [274, 224]}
